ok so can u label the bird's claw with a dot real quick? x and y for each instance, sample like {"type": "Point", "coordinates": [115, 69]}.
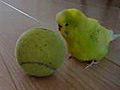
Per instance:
{"type": "Point", "coordinates": [69, 56]}
{"type": "Point", "coordinates": [91, 64]}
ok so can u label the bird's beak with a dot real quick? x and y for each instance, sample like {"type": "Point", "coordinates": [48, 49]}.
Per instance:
{"type": "Point", "coordinates": [59, 27]}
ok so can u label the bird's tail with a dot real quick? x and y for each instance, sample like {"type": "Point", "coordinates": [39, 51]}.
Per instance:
{"type": "Point", "coordinates": [116, 36]}
{"type": "Point", "coordinates": [113, 36]}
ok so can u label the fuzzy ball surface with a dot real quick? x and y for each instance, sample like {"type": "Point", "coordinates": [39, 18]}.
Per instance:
{"type": "Point", "coordinates": [40, 52]}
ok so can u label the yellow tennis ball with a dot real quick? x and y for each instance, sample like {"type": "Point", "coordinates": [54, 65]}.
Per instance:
{"type": "Point", "coordinates": [40, 52]}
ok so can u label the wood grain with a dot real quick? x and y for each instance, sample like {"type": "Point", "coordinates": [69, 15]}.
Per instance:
{"type": "Point", "coordinates": [6, 82]}
{"type": "Point", "coordinates": [71, 75]}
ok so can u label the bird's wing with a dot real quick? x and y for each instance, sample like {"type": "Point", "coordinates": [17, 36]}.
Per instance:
{"type": "Point", "coordinates": [99, 33]}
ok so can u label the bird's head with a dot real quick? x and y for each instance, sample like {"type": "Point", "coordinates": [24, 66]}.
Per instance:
{"type": "Point", "coordinates": [69, 19]}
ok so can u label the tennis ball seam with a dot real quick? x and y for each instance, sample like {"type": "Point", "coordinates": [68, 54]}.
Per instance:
{"type": "Point", "coordinates": [40, 64]}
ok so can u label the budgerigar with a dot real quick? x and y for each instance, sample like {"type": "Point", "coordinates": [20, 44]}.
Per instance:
{"type": "Point", "coordinates": [86, 39]}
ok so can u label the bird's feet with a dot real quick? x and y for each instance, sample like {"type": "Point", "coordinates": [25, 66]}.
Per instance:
{"type": "Point", "coordinates": [91, 64]}
{"type": "Point", "coordinates": [69, 56]}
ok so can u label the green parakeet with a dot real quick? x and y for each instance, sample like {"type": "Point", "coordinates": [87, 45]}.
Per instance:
{"type": "Point", "coordinates": [86, 39]}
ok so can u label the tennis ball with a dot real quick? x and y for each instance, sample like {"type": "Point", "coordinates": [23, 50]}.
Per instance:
{"type": "Point", "coordinates": [40, 52]}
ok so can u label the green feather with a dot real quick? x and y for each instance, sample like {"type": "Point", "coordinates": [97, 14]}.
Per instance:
{"type": "Point", "coordinates": [86, 38]}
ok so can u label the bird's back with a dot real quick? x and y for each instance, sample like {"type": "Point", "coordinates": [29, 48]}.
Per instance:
{"type": "Point", "coordinates": [91, 43]}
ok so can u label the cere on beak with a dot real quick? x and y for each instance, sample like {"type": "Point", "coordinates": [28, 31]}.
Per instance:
{"type": "Point", "coordinates": [59, 27]}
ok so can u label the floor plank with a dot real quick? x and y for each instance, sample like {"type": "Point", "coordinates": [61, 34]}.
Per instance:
{"type": "Point", "coordinates": [6, 82]}
{"type": "Point", "coordinates": [97, 3]}
{"type": "Point", "coordinates": [70, 76]}
{"type": "Point", "coordinates": [48, 10]}
{"type": "Point", "coordinates": [12, 25]}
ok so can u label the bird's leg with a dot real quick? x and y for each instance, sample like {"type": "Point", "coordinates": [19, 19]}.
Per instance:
{"type": "Point", "coordinates": [69, 56]}
{"type": "Point", "coordinates": [91, 64]}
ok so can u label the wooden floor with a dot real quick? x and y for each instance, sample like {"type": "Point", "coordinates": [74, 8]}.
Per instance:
{"type": "Point", "coordinates": [72, 75]}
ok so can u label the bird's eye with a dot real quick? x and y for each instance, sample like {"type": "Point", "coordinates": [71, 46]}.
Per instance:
{"type": "Point", "coordinates": [66, 24]}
